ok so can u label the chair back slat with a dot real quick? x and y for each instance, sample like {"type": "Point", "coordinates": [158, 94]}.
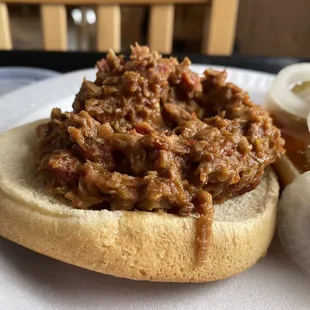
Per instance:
{"type": "Point", "coordinates": [218, 34]}
{"type": "Point", "coordinates": [54, 27]}
{"type": "Point", "coordinates": [221, 28]}
{"type": "Point", "coordinates": [109, 27]}
{"type": "Point", "coordinates": [5, 34]}
{"type": "Point", "coordinates": [161, 28]}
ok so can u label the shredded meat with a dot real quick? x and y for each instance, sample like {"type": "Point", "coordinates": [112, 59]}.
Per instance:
{"type": "Point", "coordinates": [150, 134]}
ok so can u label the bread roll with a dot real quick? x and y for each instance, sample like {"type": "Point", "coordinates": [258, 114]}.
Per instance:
{"type": "Point", "coordinates": [130, 244]}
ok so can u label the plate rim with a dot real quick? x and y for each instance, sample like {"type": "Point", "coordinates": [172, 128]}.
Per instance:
{"type": "Point", "coordinates": [30, 72]}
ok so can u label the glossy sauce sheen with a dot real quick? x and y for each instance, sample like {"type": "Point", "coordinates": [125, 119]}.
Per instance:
{"type": "Point", "coordinates": [297, 139]}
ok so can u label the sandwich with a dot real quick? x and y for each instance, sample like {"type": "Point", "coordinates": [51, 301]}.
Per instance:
{"type": "Point", "coordinates": [156, 174]}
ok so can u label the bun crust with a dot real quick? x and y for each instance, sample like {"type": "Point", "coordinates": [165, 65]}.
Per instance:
{"type": "Point", "coordinates": [134, 245]}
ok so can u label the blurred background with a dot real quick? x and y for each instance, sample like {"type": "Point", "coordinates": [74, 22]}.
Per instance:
{"type": "Point", "coordinates": [263, 27]}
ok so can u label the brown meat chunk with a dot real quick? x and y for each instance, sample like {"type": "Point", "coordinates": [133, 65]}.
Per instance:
{"type": "Point", "coordinates": [150, 134]}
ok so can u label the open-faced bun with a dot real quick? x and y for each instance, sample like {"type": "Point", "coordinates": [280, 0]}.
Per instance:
{"type": "Point", "coordinates": [129, 244]}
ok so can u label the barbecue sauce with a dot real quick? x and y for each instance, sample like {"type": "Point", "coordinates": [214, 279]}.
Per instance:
{"type": "Point", "coordinates": [295, 132]}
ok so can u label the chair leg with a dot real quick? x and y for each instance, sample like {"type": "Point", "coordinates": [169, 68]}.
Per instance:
{"type": "Point", "coordinates": [5, 34]}
{"type": "Point", "coordinates": [220, 28]}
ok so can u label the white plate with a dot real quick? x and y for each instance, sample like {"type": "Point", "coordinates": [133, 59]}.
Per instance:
{"type": "Point", "coordinates": [32, 281]}
{"type": "Point", "coordinates": [12, 78]}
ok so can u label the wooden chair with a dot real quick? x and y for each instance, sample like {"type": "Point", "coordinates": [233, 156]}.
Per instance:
{"type": "Point", "coordinates": [219, 30]}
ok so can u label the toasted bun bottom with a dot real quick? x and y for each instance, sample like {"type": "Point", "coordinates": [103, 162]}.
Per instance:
{"type": "Point", "coordinates": [134, 245]}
